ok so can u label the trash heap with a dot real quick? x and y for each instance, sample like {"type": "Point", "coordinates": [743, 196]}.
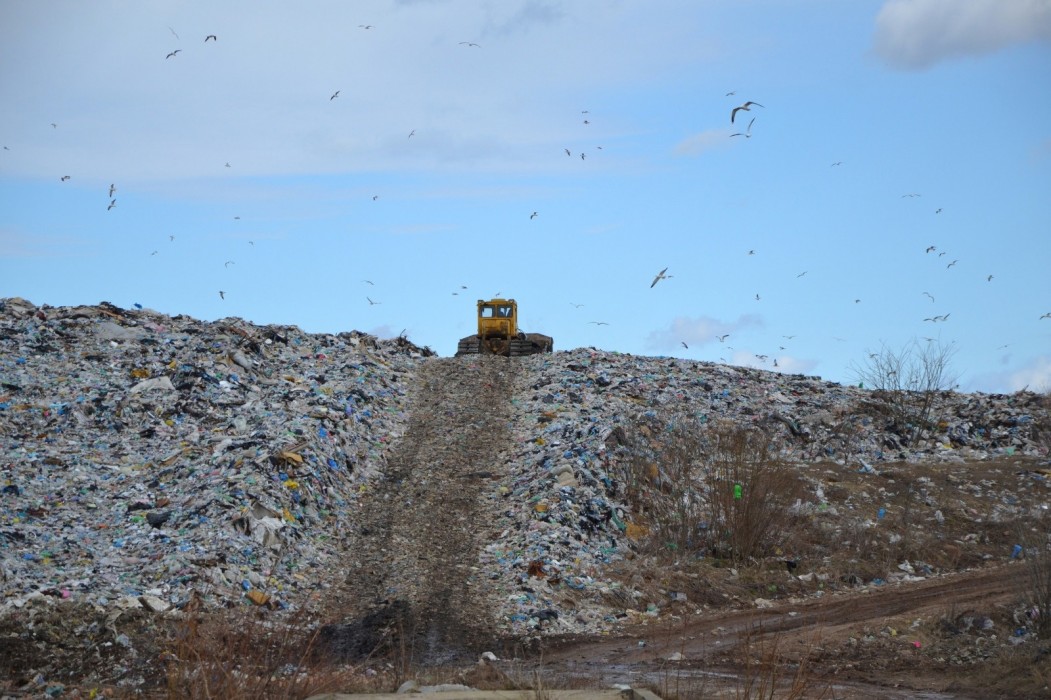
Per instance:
{"type": "Point", "coordinates": [144, 457]}
{"type": "Point", "coordinates": [575, 415]}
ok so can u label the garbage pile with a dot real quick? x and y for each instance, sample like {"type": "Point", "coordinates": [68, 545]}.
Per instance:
{"type": "Point", "coordinates": [576, 410]}
{"type": "Point", "coordinates": [145, 459]}
{"type": "Point", "coordinates": [144, 456]}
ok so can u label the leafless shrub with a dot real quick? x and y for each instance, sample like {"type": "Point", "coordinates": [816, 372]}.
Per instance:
{"type": "Point", "coordinates": [907, 382]}
{"type": "Point", "coordinates": [696, 487]}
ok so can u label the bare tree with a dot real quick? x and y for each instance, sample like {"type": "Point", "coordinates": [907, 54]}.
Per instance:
{"type": "Point", "coordinates": [907, 382]}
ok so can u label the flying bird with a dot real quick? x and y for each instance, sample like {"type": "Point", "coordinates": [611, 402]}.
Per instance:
{"type": "Point", "coordinates": [838, 162]}
{"type": "Point", "coordinates": [930, 249]}
{"type": "Point", "coordinates": [112, 189]}
{"type": "Point", "coordinates": [1047, 315]}
{"type": "Point", "coordinates": [411, 134]}
{"type": "Point", "coordinates": [171, 237]}
{"type": "Point", "coordinates": [567, 151]}
{"type": "Point", "coordinates": [951, 264]}
{"type": "Point", "coordinates": [757, 297]}
{"type": "Point", "coordinates": [747, 132]}
{"type": "Point", "coordinates": [334, 96]}
{"type": "Point", "coordinates": [172, 31]}
{"type": "Point", "coordinates": [599, 323]}
{"type": "Point", "coordinates": [751, 252]}
{"type": "Point", "coordinates": [575, 306]}
{"type": "Point", "coordinates": [989, 278]}
{"type": "Point", "coordinates": [660, 276]}
{"type": "Point", "coordinates": [112, 204]}
{"type": "Point", "coordinates": [64, 178]}
{"type": "Point", "coordinates": [369, 282]}
{"type": "Point", "coordinates": [228, 263]}
{"type": "Point", "coordinates": [469, 44]}
{"type": "Point", "coordinates": [929, 294]}
{"type": "Point", "coordinates": [732, 92]}
{"type": "Point", "coordinates": [722, 338]}
{"type": "Point", "coordinates": [801, 273]}
{"type": "Point", "coordinates": [938, 210]}
{"type": "Point", "coordinates": [533, 215]}
{"type": "Point", "coordinates": [746, 107]}
{"type": "Point", "coordinates": [366, 26]}
{"type": "Point", "coordinates": [375, 197]}
{"type": "Point", "coordinates": [685, 345]}
{"type": "Point", "coordinates": [373, 303]}
{"type": "Point", "coordinates": [172, 54]}
{"type": "Point", "coordinates": [581, 156]}
{"type": "Point", "coordinates": [222, 294]}
{"type": "Point", "coordinates": [210, 36]}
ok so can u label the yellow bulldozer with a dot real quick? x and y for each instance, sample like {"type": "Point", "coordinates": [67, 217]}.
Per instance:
{"type": "Point", "coordinates": [498, 333]}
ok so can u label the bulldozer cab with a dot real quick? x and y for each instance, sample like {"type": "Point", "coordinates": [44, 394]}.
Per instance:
{"type": "Point", "coordinates": [497, 318]}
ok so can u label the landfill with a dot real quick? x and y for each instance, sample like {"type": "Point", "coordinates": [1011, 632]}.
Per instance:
{"type": "Point", "coordinates": [148, 459]}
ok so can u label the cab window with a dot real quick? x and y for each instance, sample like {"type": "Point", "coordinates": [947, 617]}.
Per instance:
{"type": "Point", "coordinates": [487, 311]}
{"type": "Point", "coordinates": [504, 311]}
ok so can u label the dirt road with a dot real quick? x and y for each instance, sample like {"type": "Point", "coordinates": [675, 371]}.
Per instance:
{"type": "Point", "coordinates": [820, 630]}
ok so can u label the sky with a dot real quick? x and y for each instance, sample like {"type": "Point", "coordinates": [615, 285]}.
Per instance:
{"type": "Point", "coordinates": [380, 165]}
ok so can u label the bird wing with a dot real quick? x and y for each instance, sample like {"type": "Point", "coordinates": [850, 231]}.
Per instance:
{"type": "Point", "coordinates": [733, 114]}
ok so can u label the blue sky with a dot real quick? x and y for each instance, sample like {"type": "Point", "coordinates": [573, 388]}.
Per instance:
{"type": "Point", "coordinates": [236, 170]}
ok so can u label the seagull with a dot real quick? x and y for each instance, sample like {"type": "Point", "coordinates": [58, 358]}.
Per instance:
{"type": "Point", "coordinates": [373, 303]}
{"type": "Point", "coordinates": [369, 282]}
{"type": "Point", "coordinates": [732, 92]}
{"type": "Point", "coordinates": [1047, 315]}
{"type": "Point", "coordinates": [586, 121]}
{"type": "Point", "coordinates": [228, 164]}
{"type": "Point", "coordinates": [788, 337]}
{"type": "Point", "coordinates": [838, 162]}
{"type": "Point", "coordinates": [153, 253]}
{"type": "Point", "coordinates": [334, 96]}
{"type": "Point", "coordinates": [938, 210]}
{"type": "Point", "coordinates": [575, 306]}
{"type": "Point", "coordinates": [930, 248]}
{"type": "Point", "coordinates": [660, 276]}
{"type": "Point", "coordinates": [228, 263]}
{"type": "Point", "coordinates": [172, 31]}
{"type": "Point", "coordinates": [722, 338]}
{"type": "Point", "coordinates": [685, 345]}
{"type": "Point", "coordinates": [411, 134]}
{"type": "Point", "coordinates": [469, 44]}
{"type": "Point", "coordinates": [929, 294]}
{"type": "Point", "coordinates": [222, 294]}
{"type": "Point", "coordinates": [171, 237]}
{"type": "Point", "coordinates": [757, 297]}
{"type": "Point", "coordinates": [375, 197]}
{"type": "Point", "coordinates": [567, 151]}
{"type": "Point", "coordinates": [801, 273]}
{"type": "Point", "coordinates": [533, 215]}
{"type": "Point", "coordinates": [210, 36]}
{"type": "Point", "coordinates": [751, 252]}
{"type": "Point", "coordinates": [747, 132]}
{"type": "Point", "coordinates": [112, 204]}
{"type": "Point", "coordinates": [172, 54]}
{"type": "Point", "coordinates": [746, 107]}
{"type": "Point", "coordinates": [112, 189]}
{"type": "Point", "coordinates": [64, 178]}
{"type": "Point", "coordinates": [366, 26]}
{"type": "Point", "coordinates": [581, 156]}
{"type": "Point", "coordinates": [989, 278]}
{"type": "Point", "coordinates": [599, 323]}
{"type": "Point", "coordinates": [951, 264]}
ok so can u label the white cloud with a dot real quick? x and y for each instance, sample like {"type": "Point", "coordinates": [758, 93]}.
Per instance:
{"type": "Point", "coordinates": [916, 34]}
{"type": "Point", "coordinates": [1034, 375]}
{"type": "Point", "coordinates": [704, 141]}
{"type": "Point", "coordinates": [698, 331]}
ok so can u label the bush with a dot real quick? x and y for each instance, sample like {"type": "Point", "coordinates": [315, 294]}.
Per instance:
{"type": "Point", "coordinates": [697, 488]}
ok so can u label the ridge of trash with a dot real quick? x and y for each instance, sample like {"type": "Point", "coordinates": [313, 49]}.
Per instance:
{"type": "Point", "coordinates": [147, 459]}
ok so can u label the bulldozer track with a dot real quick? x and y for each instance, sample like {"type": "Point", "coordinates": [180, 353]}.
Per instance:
{"type": "Point", "coordinates": [425, 521]}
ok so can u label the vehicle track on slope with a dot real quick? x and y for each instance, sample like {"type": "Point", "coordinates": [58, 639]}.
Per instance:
{"type": "Point", "coordinates": [422, 525]}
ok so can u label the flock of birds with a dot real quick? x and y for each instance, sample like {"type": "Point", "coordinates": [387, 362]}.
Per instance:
{"type": "Point", "coordinates": [662, 275]}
